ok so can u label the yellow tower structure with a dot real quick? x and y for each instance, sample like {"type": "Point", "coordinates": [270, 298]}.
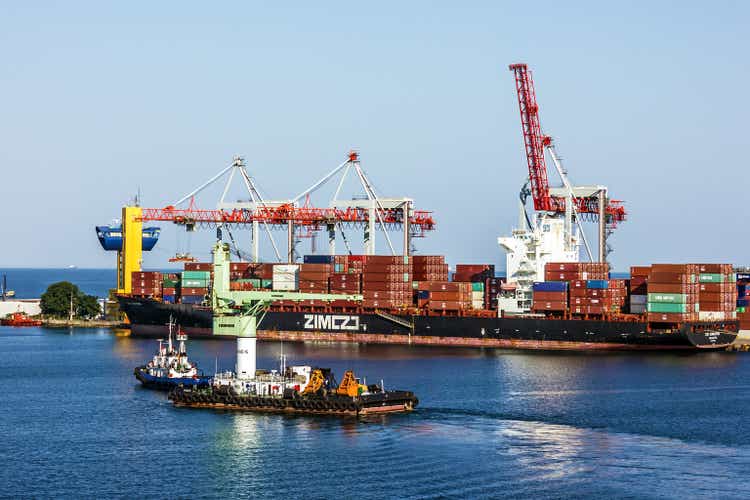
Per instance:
{"type": "Point", "coordinates": [130, 257]}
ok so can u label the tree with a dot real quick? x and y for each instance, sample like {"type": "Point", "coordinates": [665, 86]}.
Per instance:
{"type": "Point", "coordinates": [88, 307]}
{"type": "Point", "coordinates": [56, 301]}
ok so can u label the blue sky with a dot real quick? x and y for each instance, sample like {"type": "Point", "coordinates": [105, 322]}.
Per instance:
{"type": "Point", "coordinates": [102, 98]}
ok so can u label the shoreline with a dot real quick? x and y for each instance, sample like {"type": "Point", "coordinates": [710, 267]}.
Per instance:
{"type": "Point", "coordinates": [81, 323]}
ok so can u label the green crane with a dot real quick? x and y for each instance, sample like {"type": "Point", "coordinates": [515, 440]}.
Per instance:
{"type": "Point", "coordinates": [238, 313]}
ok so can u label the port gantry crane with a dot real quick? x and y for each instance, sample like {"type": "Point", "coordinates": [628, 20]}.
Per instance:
{"type": "Point", "coordinates": [573, 202]}
{"type": "Point", "coordinates": [368, 213]}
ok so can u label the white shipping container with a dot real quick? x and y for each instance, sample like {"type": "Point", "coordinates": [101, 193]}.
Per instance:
{"type": "Point", "coordinates": [712, 315]}
{"type": "Point", "coordinates": [287, 286]}
{"type": "Point", "coordinates": [285, 277]}
{"type": "Point", "coordinates": [477, 295]}
{"type": "Point", "coordinates": [638, 299]}
{"type": "Point", "coordinates": [477, 304]}
{"type": "Point", "coordinates": [285, 268]}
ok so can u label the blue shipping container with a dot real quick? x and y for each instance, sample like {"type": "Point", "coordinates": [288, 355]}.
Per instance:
{"type": "Point", "coordinates": [597, 284]}
{"type": "Point", "coordinates": [169, 299]}
{"type": "Point", "coordinates": [318, 259]}
{"type": "Point", "coordinates": [743, 303]}
{"type": "Point", "coordinates": [423, 294]}
{"type": "Point", "coordinates": [743, 276]}
{"type": "Point", "coordinates": [550, 286]}
{"type": "Point", "coordinates": [192, 299]}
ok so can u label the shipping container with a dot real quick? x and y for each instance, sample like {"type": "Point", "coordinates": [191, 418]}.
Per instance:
{"type": "Point", "coordinates": [550, 286]}
{"type": "Point", "coordinates": [194, 283]}
{"type": "Point", "coordinates": [659, 307]}
{"type": "Point", "coordinates": [673, 298]}
{"type": "Point", "coordinates": [548, 306]}
{"type": "Point", "coordinates": [600, 284]}
{"type": "Point", "coordinates": [196, 275]}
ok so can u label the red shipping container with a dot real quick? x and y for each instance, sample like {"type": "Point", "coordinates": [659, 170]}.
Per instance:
{"type": "Point", "coordinates": [715, 268]}
{"type": "Point", "coordinates": [717, 287]}
{"type": "Point", "coordinates": [639, 271]}
{"type": "Point", "coordinates": [446, 305]}
{"type": "Point", "coordinates": [548, 306]}
{"type": "Point", "coordinates": [670, 277]}
{"type": "Point", "coordinates": [198, 266]}
{"type": "Point", "coordinates": [550, 296]}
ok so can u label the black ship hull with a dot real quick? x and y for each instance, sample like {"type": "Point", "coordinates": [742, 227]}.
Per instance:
{"type": "Point", "coordinates": [149, 318]}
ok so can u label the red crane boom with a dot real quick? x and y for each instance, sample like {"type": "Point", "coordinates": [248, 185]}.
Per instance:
{"type": "Point", "coordinates": [535, 143]}
{"type": "Point", "coordinates": [532, 137]}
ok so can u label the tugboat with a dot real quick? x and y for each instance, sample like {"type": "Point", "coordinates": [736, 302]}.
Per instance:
{"type": "Point", "coordinates": [295, 389]}
{"type": "Point", "coordinates": [169, 367]}
{"type": "Point", "coordinates": [19, 319]}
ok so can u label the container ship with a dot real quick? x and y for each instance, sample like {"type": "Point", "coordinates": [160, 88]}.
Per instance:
{"type": "Point", "coordinates": [410, 300]}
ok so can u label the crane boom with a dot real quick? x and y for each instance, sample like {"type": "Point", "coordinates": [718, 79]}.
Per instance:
{"type": "Point", "coordinates": [532, 137]}
{"type": "Point", "coordinates": [535, 143]}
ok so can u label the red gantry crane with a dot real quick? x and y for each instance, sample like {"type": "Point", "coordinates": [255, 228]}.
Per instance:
{"type": "Point", "coordinates": [388, 214]}
{"type": "Point", "coordinates": [575, 202]}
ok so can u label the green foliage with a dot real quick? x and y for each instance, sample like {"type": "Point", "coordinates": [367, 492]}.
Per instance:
{"type": "Point", "coordinates": [88, 307]}
{"type": "Point", "coordinates": [56, 301]}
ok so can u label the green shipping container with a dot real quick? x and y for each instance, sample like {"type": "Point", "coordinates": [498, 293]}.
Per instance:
{"type": "Point", "coordinates": [194, 283]}
{"type": "Point", "coordinates": [477, 287]}
{"type": "Point", "coordinates": [407, 278]}
{"type": "Point", "coordinates": [711, 278]}
{"type": "Point", "coordinates": [196, 275]}
{"type": "Point", "coordinates": [667, 298]}
{"type": "Point", "coordinates": [661, 307]}
{"type": "Point", "coordinates": [170, 283]}
{"type": "Point", "coordinates": [266, 283]}
{"type": "Point", "coordinates": [740, 309]}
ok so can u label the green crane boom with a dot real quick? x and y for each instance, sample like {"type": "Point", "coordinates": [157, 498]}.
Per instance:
{"type": "Point", "coordinates": [238, 313]}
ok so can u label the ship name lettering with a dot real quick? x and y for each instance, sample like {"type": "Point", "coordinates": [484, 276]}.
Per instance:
{"type": "Point", "coordinates": [331, 322]}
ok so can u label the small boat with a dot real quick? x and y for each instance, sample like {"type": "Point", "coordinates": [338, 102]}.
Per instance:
{"type": "Point", "coordinates": [19, 319]}
{"type": "Point", "coordinates": [171, 367]}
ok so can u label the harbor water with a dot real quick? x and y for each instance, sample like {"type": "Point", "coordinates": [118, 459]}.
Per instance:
{"type": "Point", "coordinates": [491, 423]}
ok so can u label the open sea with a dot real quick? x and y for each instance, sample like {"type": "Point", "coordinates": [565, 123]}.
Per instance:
{"type": "Point", "coordinates": [490, 424]}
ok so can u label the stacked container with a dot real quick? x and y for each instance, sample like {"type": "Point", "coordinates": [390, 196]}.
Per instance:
{"type": "Point", "coordinates": [285, 277]}
{"type": "Point", "coordinates": [430, 268]}
{"type": "Point", "coordinates": [638, 289]}
{"type": "Point", "coordinates": [349, 283]}
{"type": "Point", "coordinates": [170, 285]}
{"type": "Point", "coordinates": [743, 300]}
{"type": "Point", "coordinates": [597, 297]}
{"type": "Point", "coordinates": [386, 280]}
{"type": "Point", "coordinates": [444, 295]}
{"type": "Point", "coordinates": [313, 277]}
{"type": "Point", "coordinates": [569, 271]}
{"type": "Point", "coordinates": [491, 290]}
{"type": "Point", "coordinates": [477, 295]}
{"type": "Point", "coordinates": [672, 293]}
{"type": "Point", "coordinates": [717, 292]}
{"type": "Point", "coordinates": [550, 296]}
{"type": "Point", "coordinates": [474, 273]}
{"type": "Point", "coordinates": [146, 283]}
{"type": "Point", "coordinates": [194, 286]}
